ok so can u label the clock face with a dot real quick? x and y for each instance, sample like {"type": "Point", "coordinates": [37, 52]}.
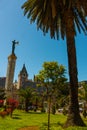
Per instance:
{"type": "Point", "coordinates": [24, 75]}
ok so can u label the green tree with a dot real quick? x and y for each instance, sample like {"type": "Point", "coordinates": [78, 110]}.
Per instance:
{"type": "Point", "coordinates": [82, 93]}
{"type": "Point", "coordinates": [27, 95]}
{"type": "Point", "coordinates": [85, 90]}
{"type": "Point", "coordinates": [2, 94]}
{"type": "Point", "coordinates": [50, 77]}
{"type": "Point", "coordinates": [41, 96]}
{"type": "Point", "coordinates": [63, 95]}
{"type": "Point", "coordinates": [83, 97]}
{"type": "Point", "coordinates": [62, 18]}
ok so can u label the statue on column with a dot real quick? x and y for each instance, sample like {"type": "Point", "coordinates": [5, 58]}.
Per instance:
{"type": "Point", "coordinates": [13, 46]}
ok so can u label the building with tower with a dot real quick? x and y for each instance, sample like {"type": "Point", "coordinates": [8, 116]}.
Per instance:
{"type": "Point", "coordinates": [23, 79]}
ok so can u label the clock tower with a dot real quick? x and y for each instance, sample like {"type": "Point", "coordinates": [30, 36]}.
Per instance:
{"type": "Point", "coordinates": [22, 77]}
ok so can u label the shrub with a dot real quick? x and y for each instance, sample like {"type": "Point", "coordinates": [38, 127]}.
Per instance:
{"type": "Point", "coordinates": [12, 104]}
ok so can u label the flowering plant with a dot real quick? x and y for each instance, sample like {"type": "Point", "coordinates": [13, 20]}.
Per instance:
{"type": "Point", "coordinates": [12, 102]}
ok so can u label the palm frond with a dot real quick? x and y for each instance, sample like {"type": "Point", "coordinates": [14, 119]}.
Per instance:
{"type": "Point", "coordinates": [48, 13]}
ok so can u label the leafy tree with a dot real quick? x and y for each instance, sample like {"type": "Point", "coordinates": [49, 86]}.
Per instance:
{"type": "Point", "coordinates": [41, 96]}
{"type": "Point", "coordinates": [35, 99]}
{"type": "Point", "coordinates": [51, 76]}
{"type": "Point", "coordinates": [26, 94]}
{"type": "Point", "coordinates": [83, 97]}
{"type": "Point", "coordinates": [2, 94]}
{"type": "Point", "coordinates": [85, 90]}
{"type": "Point", "coordinates": [63, 95]}
{"type": "Point", "coordinates": [62, 18]}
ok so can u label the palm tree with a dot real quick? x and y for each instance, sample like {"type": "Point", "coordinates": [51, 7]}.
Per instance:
{"type": "Point", "coordinates": [62, 18]}
{"type": "Point", "coordinates": [26, 94]}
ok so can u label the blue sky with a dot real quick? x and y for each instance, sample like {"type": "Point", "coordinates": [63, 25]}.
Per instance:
{"type": "Point", "coordinates": [34, 48]}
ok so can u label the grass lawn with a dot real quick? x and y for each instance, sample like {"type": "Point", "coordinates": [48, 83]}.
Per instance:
{"type": "Point", "coordinates": [21, 119]}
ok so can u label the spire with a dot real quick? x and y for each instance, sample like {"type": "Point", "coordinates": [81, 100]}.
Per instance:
{"type": "Point", "coordinates": [24, 70]}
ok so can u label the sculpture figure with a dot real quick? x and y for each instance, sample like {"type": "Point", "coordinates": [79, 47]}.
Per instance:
{"type": "Point", "coordinates": [13, 46]}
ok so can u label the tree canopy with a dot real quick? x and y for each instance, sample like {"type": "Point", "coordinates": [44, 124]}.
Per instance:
{"type": "Point", "coordinates": [51, 76]}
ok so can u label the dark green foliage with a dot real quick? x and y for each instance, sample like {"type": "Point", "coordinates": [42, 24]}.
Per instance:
{"type": "Point", "coordinates": [84, 113]}
{"type": "Point", "coordinates": [65, 111]}
{"type": "Point", "coordinates": [52, 15]}
{"type": "Point", "coordinates": [2, 94]}
{"type": "Point", "coordinates": [53, 109]}
{"type": "Point", "coordinates": [2, 97]}
{"type": "Point", "coordinates": [26, 95]}
{"type": "Point", "coordinates": [42, 110]}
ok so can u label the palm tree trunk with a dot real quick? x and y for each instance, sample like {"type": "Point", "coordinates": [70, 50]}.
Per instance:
{"type": "Point", "coordinates": [74, 117]}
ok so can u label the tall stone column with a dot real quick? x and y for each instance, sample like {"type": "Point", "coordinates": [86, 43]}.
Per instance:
{"type": "Point", "coordinates": [10, 71]}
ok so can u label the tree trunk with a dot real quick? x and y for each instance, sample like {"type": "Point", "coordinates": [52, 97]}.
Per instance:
{"type": "Point", "coordinates": [74, 118]}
